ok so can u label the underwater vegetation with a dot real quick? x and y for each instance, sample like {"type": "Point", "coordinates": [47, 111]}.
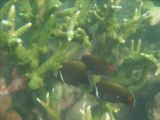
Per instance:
{"type": "Point", "coordinates": [77, 59]}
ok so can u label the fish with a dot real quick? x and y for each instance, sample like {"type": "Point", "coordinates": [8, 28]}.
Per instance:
{"type": "Point", "coordinates": [98, 65]}
{"type": "Point", "coordinates": [112, 92]}
{"type": "Point", "coordinates": [74, 73]}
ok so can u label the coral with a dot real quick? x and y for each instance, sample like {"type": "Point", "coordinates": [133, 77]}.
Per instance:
{"type": "Point", "coordinates": [154, 61]}
{"type": "Point", "coordinates": [114, 28]}
{"type": "Point", "coordinates": [52, 107]}
{"type": "Point", "coordinates": [153, 112]}
{"type": "Point", "coordinates": [13, 35]}
{"type": "Point", "coordinates": [137, 65]}
{"type": "Point", "coordinates": [5, 8]}
{"type": "Point", "coordinates": [22, 53]}
{"type": "Point", "coordinates": [86, 112]}
{"type": "Point", "coordinates": [38, 36]}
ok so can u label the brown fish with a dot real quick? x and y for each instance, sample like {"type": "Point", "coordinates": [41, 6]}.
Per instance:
{"type": "Point", "coordinates": [112, 92]}
{"type": "Point", "coordinates": [98, 65]}
{"type": "Point", "coordinates": [74, 73]}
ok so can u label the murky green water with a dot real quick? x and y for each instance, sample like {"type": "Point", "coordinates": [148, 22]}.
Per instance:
{"type": "Point", "coordinates": [79, 60]}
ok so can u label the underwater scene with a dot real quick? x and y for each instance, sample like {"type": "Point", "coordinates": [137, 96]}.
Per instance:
{"type": "Point", "coordinates": [79, 59]}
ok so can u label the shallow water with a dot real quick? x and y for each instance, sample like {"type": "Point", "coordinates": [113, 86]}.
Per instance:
{"type": "Point", "coordinates": [79, 60]}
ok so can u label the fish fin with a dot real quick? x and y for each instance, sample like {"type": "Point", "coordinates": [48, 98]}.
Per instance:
{"type": "Point", "coordinates": [61, 76]}
{"type": "Point", "coordinates": [96, 90]}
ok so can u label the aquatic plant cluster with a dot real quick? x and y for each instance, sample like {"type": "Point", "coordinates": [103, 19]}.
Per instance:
{"type": "Point", "coordinates": [48, 48]}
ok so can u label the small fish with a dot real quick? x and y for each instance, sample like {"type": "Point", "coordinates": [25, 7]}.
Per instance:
{"type": "Point", "coordinates": [113, 93]}
{"type": "Point", "coordinates": [74, 73]}
{"type": "Point", "coordinates": [97, 65]}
